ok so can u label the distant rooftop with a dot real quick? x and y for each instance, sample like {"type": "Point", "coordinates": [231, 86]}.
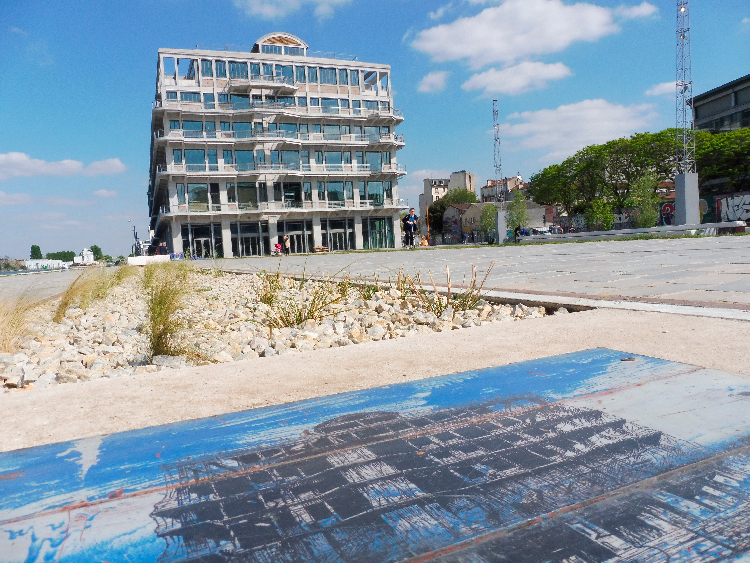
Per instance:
{"type": "Point", "coordinates": [727, 86]}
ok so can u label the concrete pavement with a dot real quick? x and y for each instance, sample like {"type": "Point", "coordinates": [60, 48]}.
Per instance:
{"type": "Point", "coordinates": [695, 272]}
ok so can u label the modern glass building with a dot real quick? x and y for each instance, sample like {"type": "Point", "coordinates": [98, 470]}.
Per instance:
{"type": "Point", "coordinates": [250, 146]}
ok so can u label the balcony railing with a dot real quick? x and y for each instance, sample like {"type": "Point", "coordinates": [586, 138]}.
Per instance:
{"type": "Point", "coordinates": [262, 79]}
{"type": "Point", "coordinates": [233, 208]}
{"type": "Point", "coordinates": [283, 135]}
{"type": "Point", "coordinates": [279, 106]}
{"type": "Point", "coordinates": [287, 167]}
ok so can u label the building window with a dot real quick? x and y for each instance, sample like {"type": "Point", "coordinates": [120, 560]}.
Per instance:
{"type": "Point", "coordinates": [312, 74]}
{"type": "Point", "coordinates": [223, 98]}
{"type": "Point", "coordinates": [171, 95]}
{"type": "Point", "coordinates": [207, 70]}
{"type": "Point", "coordinates": [190, 97]}
{"type": "Point", "coordinates": [277, 193]}
{"type": "Point", "coordinates": [228, 160]}
{"type": "Point", "coordinates": [294, 51]}
{"type": "Point", "coordinates": [260, 156]}
{"type": "Point", "coordinates": [316, 128]}
{"type": "Point", "coordinates": [321, 191]}
{"type": "Point", "coordinates": [307, 191]}
{"type": "Point", "coordinates": [225, 126]}
{"type": "Point", "coordinates": [267, 70]}
{"type": "Point", "coordinates": [315, 101]}
{"type": "Point", "coordinates": [354, 77]}
{"type": "Point", "coordinates": [285, 71]}
{"type": "Point", "coordinates": [180, 194]}
{"type": "Point", "coordinates": [318, 157]}
{"type": "Point", "coordinates": [221, 69]}
{"type": "Point", "coordinates": [328, 76]}
{"type": "Point", "coordinates": [286, 100]}
{"type": "Point", "coordinates": [231, 192]}
{"type": "Point", "coordinates": [174, 124]}
{"type": "Point", "coordinates": [208, 101]}
{"type": "Point", "coordinates": [271, 49]}
{"type": "Point", "coordinates": [305, 156]}
{"type": "Point", "coordinates": [302, 101]}
{"type": "Point", "coordinates": [237, 70]}
{"type": "Point", "coordinates": [177, 156]}
{"type": "Point", "coordinates": [343, 76]}
{"type": "Point", "coordinates": [349, 190]}
{"type": "Point", "coordinates": [213, 162]}
{"type": "Point", "coordinates": [244, 160]}
{"type": "Point", "coordinates": [362, 193]}
{"type": "Point", "coordinates": [300, 72]}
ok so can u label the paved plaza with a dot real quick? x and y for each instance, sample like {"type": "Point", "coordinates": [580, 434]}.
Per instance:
{"type": "Point", "coordinates": [709, 272]}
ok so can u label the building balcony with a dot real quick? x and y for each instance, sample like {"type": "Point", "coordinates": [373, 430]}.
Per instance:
{"type": "Point", "coordinates": [285, 136]}
{"type": "Point", "coordinates": [280, 83]}
{"type": "Point", "coordinates": [279, 108]}
{"type": "Point", "coordinates": [286, 168]}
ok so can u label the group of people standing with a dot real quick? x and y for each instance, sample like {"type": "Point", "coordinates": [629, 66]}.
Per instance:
{"type": "Point", "coordinates": [411, 224]}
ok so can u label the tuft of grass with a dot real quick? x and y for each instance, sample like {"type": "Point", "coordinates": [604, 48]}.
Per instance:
{"type": "Point", "coordinates": [366, 290]}
{"type": "Point", "coordinates": [13, 315]}
{"type": "Point", "coordinates": [93, 284]}
{"type": "Point", "coordinates": [267, 290]}
{"type": "Point", "coordinates": [436, 303]}
{"type": "Point", "coordinates": [165, 286]}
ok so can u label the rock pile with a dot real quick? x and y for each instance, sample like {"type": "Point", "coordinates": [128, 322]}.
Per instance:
{"type": "Point", "coordinates": [224, 322]}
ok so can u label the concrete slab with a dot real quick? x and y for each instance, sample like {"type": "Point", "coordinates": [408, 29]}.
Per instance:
{"type": "Point", "coordinates": [568, 458]}
{"type": "Point", "coordinates": [640, 269]}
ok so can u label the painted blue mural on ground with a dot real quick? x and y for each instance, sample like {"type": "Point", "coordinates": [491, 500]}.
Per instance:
{"type": "Point", "coordinates": [550, 460]}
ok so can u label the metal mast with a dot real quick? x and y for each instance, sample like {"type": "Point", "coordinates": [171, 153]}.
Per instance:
{"type": "Point", "coordinates": [685, 133]}
{"type": "Point", "coordinates": [498, 161]}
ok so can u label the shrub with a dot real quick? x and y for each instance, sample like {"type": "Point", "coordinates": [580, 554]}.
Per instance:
{"type": "Point", "coordinates": [165, 286]}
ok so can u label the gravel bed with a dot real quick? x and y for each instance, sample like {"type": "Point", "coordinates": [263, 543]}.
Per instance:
{"type": "Point", "coordinates": [224, 322]}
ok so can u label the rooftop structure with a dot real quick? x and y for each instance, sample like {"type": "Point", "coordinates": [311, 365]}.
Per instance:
{"type": "Point", "coordinates": [495, 190]}
{"type": "Point", "coordinates": [250, 146]}
{"type": "Point", "coordinates": [725, 108]}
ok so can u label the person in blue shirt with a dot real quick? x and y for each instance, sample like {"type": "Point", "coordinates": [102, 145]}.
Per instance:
{"type": "Point", "coordinates": [410, 227]}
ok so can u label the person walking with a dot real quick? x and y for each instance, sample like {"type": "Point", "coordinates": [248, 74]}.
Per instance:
{"type": "Point", "coordinates": [410, 227]}
{"type": "Point", "coordinates": [287, 245]}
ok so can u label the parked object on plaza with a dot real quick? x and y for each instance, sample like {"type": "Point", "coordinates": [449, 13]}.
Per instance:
{"type": "Point", "coordinates": [282, 140]}
{"type": "Point", "coordinates": [570, 458]}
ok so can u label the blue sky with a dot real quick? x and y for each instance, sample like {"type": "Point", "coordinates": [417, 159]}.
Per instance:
{"type": "Point", "coordinates": [78, 79]}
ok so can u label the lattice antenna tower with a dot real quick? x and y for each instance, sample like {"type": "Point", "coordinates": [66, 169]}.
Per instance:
{"type": "Point", "coordinates": [685, 133]}
{"type": "Point", "coordinates": [498, 160]}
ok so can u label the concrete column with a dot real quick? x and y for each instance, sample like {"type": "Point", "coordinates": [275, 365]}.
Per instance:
{"type": "Point", "coordinates": [397, 230]}
{"type": "Point", "coordinates": [686, 202]}
{"type": "Point", "coordinates": [172, 191]}
{"type": "Point", "coordinates": [273, 230]}
{"type": "Point", "coordinates": [223, 199]}
{"type": "Point", "coordinates": [359, 241]}
{"type": "Point", "coordinates": [269, 195]}
{"type": "Point", "coordinates": [314, 191]}
{"type": "Point", "coordinates": [176, 227]}
{"type": "Point", "coordinates": [226, 234]}
{"type": "Point", "coordinates": [317, 230]}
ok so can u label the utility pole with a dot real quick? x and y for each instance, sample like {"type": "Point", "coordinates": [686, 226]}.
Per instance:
{"type": "Point", "coordinates": [686, 179]}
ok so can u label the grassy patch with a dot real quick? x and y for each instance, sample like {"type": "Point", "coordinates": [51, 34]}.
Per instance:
{"type": "Point", "coordinates": [93, 284]}
{"type": "Point", "coordinates": [165, 285]}
{"type": "Point", "coordinates": [13, 315]}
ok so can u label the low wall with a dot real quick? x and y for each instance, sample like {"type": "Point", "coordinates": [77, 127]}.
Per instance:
{"type": "Point", "coordinates": [145, 260]}
{"type": "Point", "coordinates": [707, 229]}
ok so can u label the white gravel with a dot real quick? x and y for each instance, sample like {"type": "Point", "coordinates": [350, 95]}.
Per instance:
{"type": "Point", "coordinates": [224, 322]}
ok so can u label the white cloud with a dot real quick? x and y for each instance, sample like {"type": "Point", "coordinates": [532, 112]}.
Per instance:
{"type": "Point", "coordinates": [18, 31]}
{"type": "Point", "coordinates": [663, 89]}
{"type": "Point", "coordinates": [18, 164]}
{"type": "Point", "coordinates": [275, 9]}
{"type": "Point", "coordinates": [568, 128]}
{"type": "Point", "coordinates": [13, 199]}
{"type": "Point", "coordinates": [14, 164]}
{"type": "Point", "coordinates": [643, 10]}
{"type": "Point", "coordinates": [108, 167]}
{"type": "Point", "coordinates": [440, 12]}
{"type": "Point", "coordinates": [434, 81]}
{"type": "Point", "coordinates": [515, 30]}
{"type": "Point", "coordinates": [746, 22]}
{"type": "Point", "coordinates": [105, 193]}
{"type": "Point", "coordinates": [517, 79]}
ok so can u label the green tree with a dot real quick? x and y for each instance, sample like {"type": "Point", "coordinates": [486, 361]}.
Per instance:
{"type": "Point", "coordinates": [517, 214]}
{"type": "Point", "coordinates": [36, 252]}
{"type": "Point", "coordinates": [724, 155]}
{"type": "Point", "coordinates": [64, 255]}
{"type": "Point", "coordinates": [644, 201]}
{"type": "Point", "coordinates": [599, 215]}
{"type": "Point", "coordinates": [436, 210]}
{"type": "Point", "coordinates": [98, 254]}
{"type": "Point", "coordinates": [553, 186]}
{"type": "Point", "coordinates": [487, 219]}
